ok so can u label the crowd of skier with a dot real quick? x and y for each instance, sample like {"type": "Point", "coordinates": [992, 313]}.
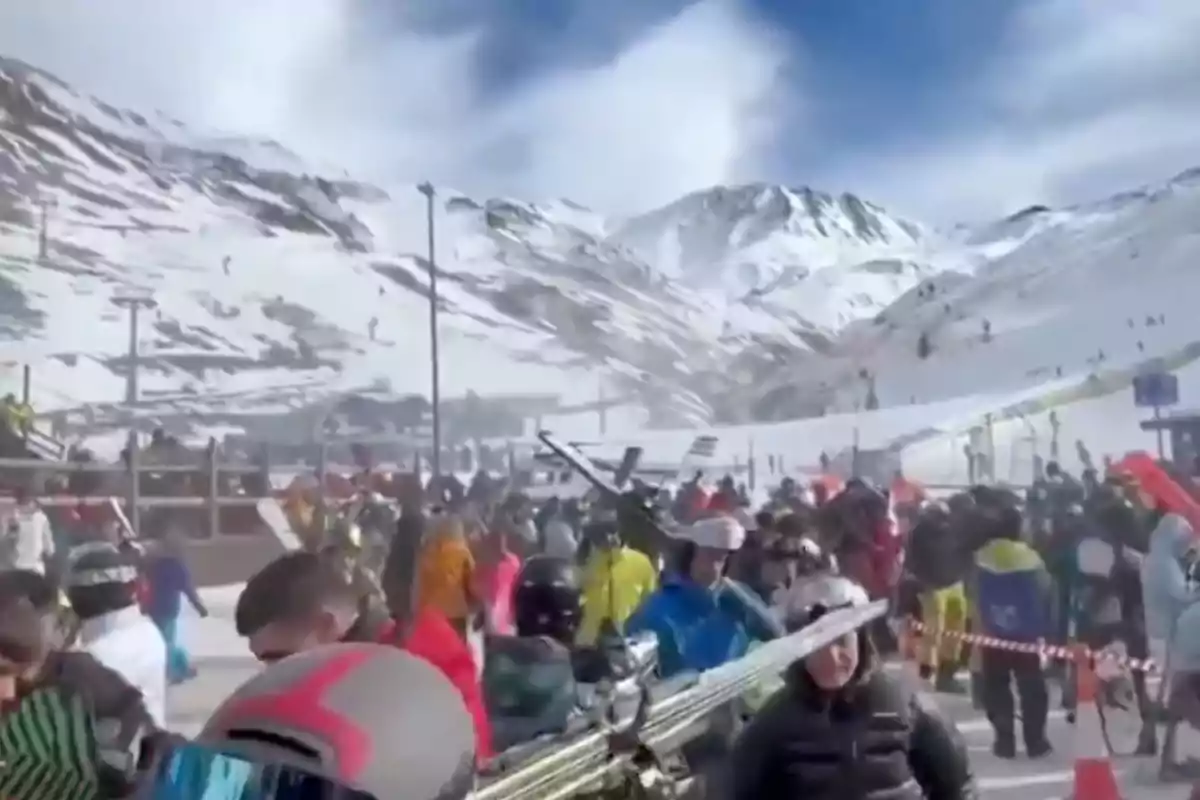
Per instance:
{"type": "Point", "coordinates": [477, 630]}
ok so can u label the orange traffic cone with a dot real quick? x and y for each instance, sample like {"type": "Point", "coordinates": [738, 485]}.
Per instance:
{"type": "Point", "coordinates": [1094, 776]}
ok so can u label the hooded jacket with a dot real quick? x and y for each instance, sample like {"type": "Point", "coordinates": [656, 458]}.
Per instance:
{"type": "Point", "coordinates": [698, 627]}
{"type": "Point", "coordinates": [433, 638]}
{"type": "Point", "coordinates": [873, 740]}
{"type": "Point", "coordinates": [127, 642]}
{"type": "Point", "coordinates": [445, 570]}
{"type": "Point", "coordinates": [1164, 582]}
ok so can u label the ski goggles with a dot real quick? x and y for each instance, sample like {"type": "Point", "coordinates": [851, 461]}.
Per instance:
{"type": "Point", "coordinates": [192, 771]}
{"type": "Point", "coordinates": [799, 618]}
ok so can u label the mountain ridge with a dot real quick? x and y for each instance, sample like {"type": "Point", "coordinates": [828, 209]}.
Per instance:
{"type": "Point", "coordinates": [756, 301]}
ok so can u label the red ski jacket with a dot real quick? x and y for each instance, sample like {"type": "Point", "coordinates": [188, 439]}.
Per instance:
{"type": "Point", "coordinates": [435, 640]}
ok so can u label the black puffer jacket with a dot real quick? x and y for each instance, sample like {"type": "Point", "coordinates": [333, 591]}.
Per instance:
{"type": "Point", "coordinates": [875, 740]}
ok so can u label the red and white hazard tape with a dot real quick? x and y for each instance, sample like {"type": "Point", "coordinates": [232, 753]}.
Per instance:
{"type": "Point", "coordinates": [1055, 651]}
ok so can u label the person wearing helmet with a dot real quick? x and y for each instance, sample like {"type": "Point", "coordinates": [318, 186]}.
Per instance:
{"type": "Point", "coordinates": [1010, 590]}
{"type": "Point", "coordinates": [1107, 596]}
{"type": "Point", "coordinates": [102, 586]}
{"type": "Point", "coordinates": [844, 728]}
{"type": "Point", "coordinates": [938, 562]}
{"type": "Point", "coordinates": [701, 618]}
{"type": "Point", "coordinates": [757, 562]}
{"type": "Point", "coordinates": [50, 696]}
{"type": "Point", "coordinates": [548, 599]}
{"type": "Point", "coordinates": [353, 721]}
{"type": "Point", "coordinates": [805, 561]}
{"type": "Point", "coordinates": [528, 679]}
{"type": "Point", "coordinates": [617, 579]}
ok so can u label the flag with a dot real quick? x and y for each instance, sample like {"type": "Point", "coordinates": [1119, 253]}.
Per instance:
{"type": "Point", "coordinates": [702, 447]}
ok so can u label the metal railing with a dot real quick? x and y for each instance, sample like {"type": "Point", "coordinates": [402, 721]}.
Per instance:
{"type": "Point", "coordinates": [36, 464]}
{"type": "Point", "coordinates": [210, 468]}
{"type": "Point", "coordinates": [73, 501]}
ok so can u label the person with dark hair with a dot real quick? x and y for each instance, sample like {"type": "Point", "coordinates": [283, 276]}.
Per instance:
{"type": "Point", "coordinates": [701, 618]}
{"type": "Point", "coordinates": [1010, 590]}
{"type": "Point", "coordinates": [72, 726]}
{"type": "Point", "coordinates": [617, 579]}
{"type": "Point", "coordinates": [44, 596]}
{"type": "Point", "coordinates": [168, 582]}
{"type": "Point", "coordinates": [34, 587]}
{"type": "Point", "coordinates": [297, 602]}
{"type": "Point", "coordinates": [528, 679]}
{"type": "Point", "coordinates": [102, 587]}
{"type": "Point", "coordinates": [844, 728]}
{"type": "Point", "coordinates": [937, 561]}
{"type": "Point", "coordinates": [752, 563]}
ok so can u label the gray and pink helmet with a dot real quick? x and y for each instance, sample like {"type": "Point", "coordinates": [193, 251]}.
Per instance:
{"type": "Point", "coordinates": [369, 718]}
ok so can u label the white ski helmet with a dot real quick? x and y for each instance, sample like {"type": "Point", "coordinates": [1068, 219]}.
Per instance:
{"type": "Point", "coordinates": [721, 532]}
{"type": "Point", "coordinates": [810, 598]}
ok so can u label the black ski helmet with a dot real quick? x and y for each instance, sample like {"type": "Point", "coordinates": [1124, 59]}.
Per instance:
{"type": "Point", "coordinates": [548, 598]}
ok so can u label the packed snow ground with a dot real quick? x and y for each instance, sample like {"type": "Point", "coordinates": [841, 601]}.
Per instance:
{"type": "Point", "coordinates": [224, 662]}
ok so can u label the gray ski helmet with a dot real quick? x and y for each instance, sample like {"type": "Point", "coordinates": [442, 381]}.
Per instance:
{"type": "Point", "coordinates": [369, 718]}
{"type": "Point", "coordinates": [810, 598]}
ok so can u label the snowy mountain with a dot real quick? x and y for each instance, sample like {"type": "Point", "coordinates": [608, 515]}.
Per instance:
{"type": "Point", "coordinates": [268, 277]}
{"type": "Point", "coordinates": [282, 285]}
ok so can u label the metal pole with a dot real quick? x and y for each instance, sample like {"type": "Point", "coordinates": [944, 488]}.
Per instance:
{"type": "Point", "coordinates": [603, 410]}
{"type": "Point", "coordinates": [990, 444]}
{"type": "Point", "coordinates": [435, 392]}
{"type": "Point", "coordinates": [43, 235]}
{"type": "Point", "coordinates": [26, 395]}
{"type": "Point", "coordinates": [854, 459]}
{"type": "Point", "coordinates": [1158, 434]}
{"type": "Point", "coordinates": [214, 488]}
{"type": "Point", "coordinates": [134, 304]}
{"type": "Point", "coordinates": [131, 398]}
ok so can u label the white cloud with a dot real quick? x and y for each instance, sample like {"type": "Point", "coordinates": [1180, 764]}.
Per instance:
{"type": "Point", "coordinates": [689, 103]}
{"type": "Point", "coordinates": [1084, 99]}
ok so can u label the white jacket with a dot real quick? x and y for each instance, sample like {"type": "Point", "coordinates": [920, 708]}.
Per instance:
{"type": "Point", "coordinates": [128, 643]}
{"type": "Point", "coordinates": [28, 540]}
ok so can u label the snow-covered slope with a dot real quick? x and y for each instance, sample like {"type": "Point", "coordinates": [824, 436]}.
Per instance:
{"type": "Point", "coordinates": [1055, 298]}
{"type": "Point", "coordinates": [282, 284]}
{"type": "Point", "coordinates": [770, 247]}
{"type": "Point", "coordinates": [268, 277]}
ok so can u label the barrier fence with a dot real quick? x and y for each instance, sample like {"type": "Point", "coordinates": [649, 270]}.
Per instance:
{"type": "Point", "coordinates": [211, 499]}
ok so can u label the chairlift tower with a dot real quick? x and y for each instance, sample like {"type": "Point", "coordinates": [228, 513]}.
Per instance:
{"type": "Point", "coordinates": [133, 302]}
{"type": "Point", "coordinates": [44, 207]}
{"type": "Point", "coordinates": [435, 389]}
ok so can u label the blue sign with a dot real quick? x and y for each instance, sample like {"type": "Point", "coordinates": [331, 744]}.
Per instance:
{"type": "Point", "coordinates": [1155, 390]}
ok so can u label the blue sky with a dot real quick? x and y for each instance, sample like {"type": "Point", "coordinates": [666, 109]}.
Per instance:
{"type": "Point", "coordinates": [941, 109]}
{"type": "Point", "coordinates": [895, 62]}
{"type": "Point", "coordinates": [889, 71]}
